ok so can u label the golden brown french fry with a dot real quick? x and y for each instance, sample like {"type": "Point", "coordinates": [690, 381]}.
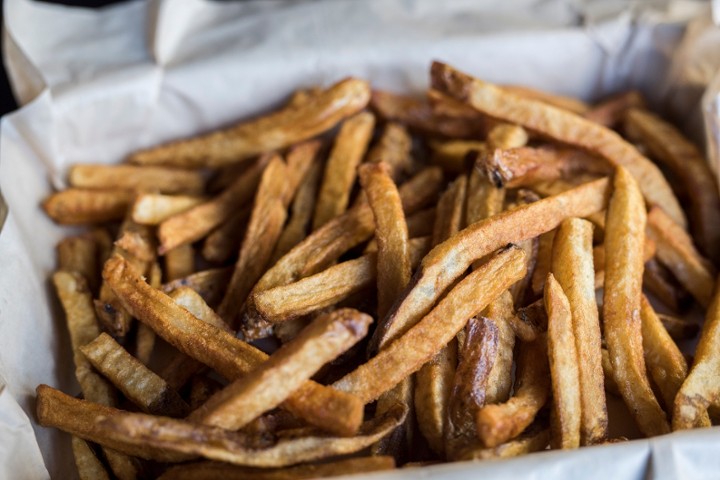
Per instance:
{"type": "Point", "coordinates": [506, 135]}
{"type": "Point", "coordinates": [534, 439]}
{"type": "Point", "coordinates": [393, 148]}
{"type": "Point", "coordinates": [132, 177]}
{"type": "Point", "coordinates": [75, 206]}
{"type": "Point", "coordinates": [452, 155]}
{"type": "Point", "coordinates": [665, 362]}
{"type": "Point", "coordinates": [611, 111]}
{"type": "Point", "coordinates": [450, 259]}
{"type": "Point", "coordinates": [341, 168]}
{"type": "Point", "coordinates": [263, 389]}
{"type": "Point", "coordinates": [416, 347]}
{"type": "Point", "coordinates": [209, 284]}
{"type": "Point", "coordinates": [524, 330]}
{"type": "Point", "coordinates": [562, 126]}
{"type": "Point", "coordinates": [302, 96]}
{"type": "Point", "coordinates": [223, 243]}
{"type": "Point", "coordinates": [179, 262]}
{"type": "Point", "coordinates": [564, 368]}
{"type": "Point", "coordinates": [155, 208]}
{"type": "Point", "coordinates": [624, 237]}
{"type": "Point", "coordinates": [500, 379]}
{"type": "Point", "coordinates": [79, 254]}
{"type": "Point", "coordinates": [684, 160]}
{"type": "Point", "coordinates": [572, 266]}
{"type": "Point", "coordinates": [88, 465]}
{"type": "Point", "coordinates": [321, 406]}
{"type": "Point", "coordinates": [679, 328]}
{"type": "Point", "coordinates": [449, 211]}
{"type": "Point", "coordinates": [499, 423]}
{"type": "Point", "coordinates": [138, 383]}
{"type": "Point", "coordinates": [560, 101]}
{"type": "Point", "coordinates": [701, 388]}
{"type": "Point", "coordinates": [598, 254]}
{"type": "Point", "coordinates": [193, 224]}
{"type": "Point", "coordinates": [274, 131]}
{"type": "Point", "coordinates": [214, 470]}
{"type": "Point", "coordinates": [521, 293]}
{"type": "Point", "coordinates": [676, 251]}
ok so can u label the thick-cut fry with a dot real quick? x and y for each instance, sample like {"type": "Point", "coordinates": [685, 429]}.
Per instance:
{"type": "Point", "coordinates": [611, 111]}
{"type": "Point", "coordinates": [679, 328]}
{"type": "Point", "coordinates": [275, 131]}
{"type": "Point", "coordinates": [496, 424]}
{"type": "Point", "coordinates": [285, 371]}
{"type": "Point", "coordinates": [155, 208]}
{"type": "Point", "coordinates": [209, 284]}
{"type": "Point", "coordinates": [340, 170]}
{"type": "Point", "coordinates": [450, 259]}
{"type": "Point", "coordinates": [224, 242]}
{"type": "Point", "coordinates": [80, 254]}
{"type": "Point", "coordinates": [393, 148]}
{"type": "Point", "coordinates": [624, 236]}
{"type": "Point", "coordinates": [132, 177]}
{"type": "Point", "coordinates": [572, 266]}
{"type": "Point", "coordinates": [416, 347]}
{"type": "Point", "coordinates": [75, 206]}
{"type": "Point", "coordinates": [195, 223]}
{"type": "Point", "coordinates": [139, 384]}
{"type": "Point", "coordinates": [213, 470]}
{"type": "Point", "coordinates": [560, 101]}
{"type": "Point", "coordinates": [701, 388]}
{"type": "Point", "coordinates": [453, 155]}
{"type": "Point", "coordinates": [676, 251]}
{"type": "Point", "coordinates": [685, 161]}
{"type": "Point", "coordinates": [88, 465]}
{"type": "Point", "coordinates": [320, 406]}
{"type": "Point", "coordinates": [564, 368]}
{"type": "Point", "coordinates": [560, 125]}
{"type": "Point", "coordinates": [665, 362]}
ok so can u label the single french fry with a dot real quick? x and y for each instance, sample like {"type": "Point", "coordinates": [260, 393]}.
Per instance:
{"type": "Point", "coordinates": [88, 465]}
{"type": "Point", "coordinates": [562, 126]}
{"type": "Point", "coordinates": [450, 259]}
{"type": "Point", "coordinates": [139, 384]}
{"type": "Point", "coordinates": [611, 111]}
{"type": "Point", "coordinates": [320, 406]}
{"type": "Point", "coordinates": [79, 254]}
{"type": "Point", "coordinates": [393, 148]}
{"type": "Point", "coordinates": [179, 262]}
{"type": "Point", "coordinates": [193, 224]}
{"type": "Point", "coordinates": [499, 385]}
{"type": "Point", "coordinates": [483, 199]}
{"type": "Point", "coordinates": [676, 251]}
{"type": "Point", "coordinates": [263, 389]}
{"type": "Point", "coordinates": [521, 291]}
{"type": "Point", "coordinates": [624, 237]}
{"type": "Point", "coordinates": [598, 253]}
{"type": "Point", "coordinates": [224, 242]}
{"type": "Point", "coordinates": [543, 264]}
{"type": "Point", "coordinates": [302, 96]}
{"type": "Point", "coordinates": [209, 284]}
{"type": "Point", "coordinates": [499, 423]}
{"type": "Point", "coordinates": [144, 336]}
{"type": "Point", "coordinates": [701, 388]}
{"type": "Point", "coordinates": [564, 368]}
{"type": "Point", "coordinates": [274, 131]}
{"type": "Point", "coordinates": [452, 155]}
{"type": "Point", "coordinates": [340, 170]}
{"type": "Point", "coordinates": [155, 208]}
{"type": "Point", "coordinates": [76, 206]}
{"type": "Point", "coordinates": [416, 347]}
{"type": "Point", "coordinates": [679, 328]}
{"type": "Point", "coordinates": [449, 211]}
{"type": "Point", "coordinates": [560, 101]}
{"type": "Point", "coordinates": [684, 160]}
{"type": "Point", "coordinates": [132, 177]}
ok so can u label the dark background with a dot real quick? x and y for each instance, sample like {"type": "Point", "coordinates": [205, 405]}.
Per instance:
{"type": "Point", "coordinates": [7, 102]}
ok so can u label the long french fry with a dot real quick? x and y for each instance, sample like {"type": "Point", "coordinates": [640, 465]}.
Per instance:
{"type": "Point", "coordinates": [624, 236]}
{"type": "Point", "coordinates": [132, 177]}
{"type": "Point", "coordinates": [155, 208]}
{"type": "Point", "coordinates": [75, 206]}
{"type": "Point", "coordinates": [320, 406]}
{"type": "Point", "coordinates": [275, 131]}
{"type": "Point", "coordinates": [559, 125]}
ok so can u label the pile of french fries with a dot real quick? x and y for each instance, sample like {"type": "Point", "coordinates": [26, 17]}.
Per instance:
{"type": "Point", "coordinates": [363, 280]}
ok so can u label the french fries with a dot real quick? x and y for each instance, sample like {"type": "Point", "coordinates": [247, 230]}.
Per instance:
{"type": "Point", "coordinates": [131, 177]}
{"type": "Point", "coordinates": [76, 206]}
{"type": "Point", "coordinates": [155, 208]}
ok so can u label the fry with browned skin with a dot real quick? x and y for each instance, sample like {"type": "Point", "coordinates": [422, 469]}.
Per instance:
{"type": "Point", "coordinates": [424, 340]}
{"type": "Point", "coordinates": [562, 126]}
{"type": "Point", "coordinates": [684, 160]}
{"type": "Point", "coordinates": [393, 148]}
{"type": "Point", "coordinates": [274, 131]}
{"type": "Point", "coordinates": [572, 266]}
{"type": "Point", "coordinates": [155, 208]}
{"type": "Point", "coordinates": [560, 101]}
{"type": "Point", "coordinates": [499, 423]}
{"type": "Point", "coordinates": [564, 368]}
{"type": "Point", "coordinates": [341, 168]}
{"type": "Point", "coordinates": [320, 406]}
{"type": "Point", "coordinates": [676, 251]}
{"type": "Point", "coordinates": [624, 238]}
{"type": "Point", "coordinates": [701, 388]}
{"type": "Point", "coordinates": [611, 111]}
{"type": "Point", "coordinates": [132, 177]}
{"type": "Point", "coordinates": [195, 223]}
{"type": "Point", "coordinates": [75, 206]}
{"type": "Point", "coordinates": [500, 311]}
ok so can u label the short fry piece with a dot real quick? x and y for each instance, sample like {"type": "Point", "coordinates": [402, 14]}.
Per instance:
{"type": "Point", "coordinates": [76, 206]}
{"type": "Point", "coordinates": [132, 177]}
{"type": "Point", "coordinates": [155, 208]}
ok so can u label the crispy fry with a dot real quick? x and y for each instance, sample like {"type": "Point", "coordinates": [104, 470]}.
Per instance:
{"type": "Point", "coordinates": [598, 254]}
{"type": "Point", "coordinates": [195, 223]}
{"type": "Point", "coordinates": [341, 168]}
{"type": "Point", "coordinates": [155, 208]}
{"type": "Point", "coordinates": [701, 388]}
{"type": "Point", "coordinates": [393, 148]}
{"type": "Point", "coordinates": [275, 131]}
{"type": "Point", "coordinates": [132, 177]}
{"type": "Point", "coordinates": [88, 465]}
{"type": "Point", "coordinates": [500, 379]}
{"type": "Point", "coordinates": [263, 389]}
{"type": "Point", "coordinates": [416, 347]}
{"type": "Point", "coordinates": [320, 406]}
{"type": "Point", "coordinates": [483, 199]}
{"type": "Point", "coordinates": [209, 284]}
{"type": "Point", "coordinates": [139, 384]}
{"type": "Point", "coordinates": [450, 259]}
{"type": "Point", "coordinates": [685, 161]}
{"type": "Point", "coordinates": [80, 254]}
{"type": "Point", "coordinates": [223, 243]}
{"type": "Point", "coordinates": [499, 423]}
{"type": "Point", "coordinates": [560, 101]}
{"type": "Point", "coordinates": [521, 293]}
{"type": "Point", "coordinates": [562, 126]}
{"type": "Point", "coordinates": [144, 336]}
{"type": "Point", "coordinates": [452, 155]}
{"type": "Point", "coordinates": [75, 206]}
{"type": "Point", "coordinates": [179, 262]}
{"type": "Point", "coordinates": [613, 110]}
{"type": "Point", "coordinates": [564, 369]}
{"type": "Point", "coordinates": [624, 236]}
{"type": "Point", "coordinates": [679, 328]}
{"type": "Point", "coordinates": [525, 331]}
{"type": "Point", "coordinates": [572, 265]}
{"type": "Point", "coordinates": [676, 251]}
